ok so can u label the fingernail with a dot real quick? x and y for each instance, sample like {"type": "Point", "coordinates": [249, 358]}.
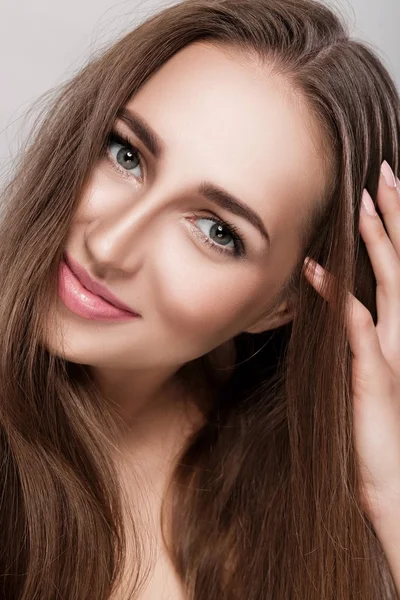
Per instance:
{"type": "Point", "coordinates": [319, 272]}
{"type": "Point", "coordinates": [388, 174]}
{"type": "Point", "coordinates": [313, 267]}
{"type": "Point", "coordinates": [367, 203]}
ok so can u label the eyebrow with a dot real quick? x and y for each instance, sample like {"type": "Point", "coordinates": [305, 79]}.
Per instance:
{"type": "Point", "coordinates": [209, 190]}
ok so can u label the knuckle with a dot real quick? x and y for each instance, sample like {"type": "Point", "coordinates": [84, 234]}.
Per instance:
{"type": "Point", "coordinates": [396, 276]}
{"type": "Point", "coordinates": [363, 318]}
{"type": "Point", "coordinates": [380, 231]}
{"type": "Point", "coordinates": [392, 280]}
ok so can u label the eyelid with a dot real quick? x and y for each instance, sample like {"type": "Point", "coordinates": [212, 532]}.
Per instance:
{"type": "Point", "coordinates": [126, 139]}
{"type": "Point", "coordinates": [240, 250]}
{"type": "Point", "coordinates": [235, 231]}
{"type": "Point", "coordinates": [122, 130]}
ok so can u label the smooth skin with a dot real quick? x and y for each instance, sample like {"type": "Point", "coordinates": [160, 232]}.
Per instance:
{"type": "Point", "coordinates": [224, 118]}
{"type": "Point", "coordinates": [141, 229]}
{"type": "Point", "coordinates": [376, 367]}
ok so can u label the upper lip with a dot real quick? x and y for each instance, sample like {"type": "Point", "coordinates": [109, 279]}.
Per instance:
{"type": "Point", "coordinates": [94, 286]}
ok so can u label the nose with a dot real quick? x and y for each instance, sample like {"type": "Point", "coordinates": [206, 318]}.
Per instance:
{"type": "Point", "coordinates": [120, 242]}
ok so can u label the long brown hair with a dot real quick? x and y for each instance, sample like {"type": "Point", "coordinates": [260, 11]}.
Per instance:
{"type": "Point", "coordinates": [266, 494]}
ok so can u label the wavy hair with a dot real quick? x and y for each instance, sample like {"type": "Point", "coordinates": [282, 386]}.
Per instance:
{"type": "Point", "coordinates": [265, 496]}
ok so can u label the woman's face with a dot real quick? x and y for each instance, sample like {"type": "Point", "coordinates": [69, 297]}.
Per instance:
{"type": "Point", "coordinates": [146, 231]}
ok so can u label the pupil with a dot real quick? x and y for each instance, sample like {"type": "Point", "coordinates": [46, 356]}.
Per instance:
{"type": "Point", "coordinates": [127, 156]}
{"type": "Point", "coordinates": [219, 229]}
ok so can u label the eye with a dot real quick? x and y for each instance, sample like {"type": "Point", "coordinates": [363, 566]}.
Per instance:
{"type": "Point", "coordinates": [228, 237]}
{"type": "Point", "coordinates": [125, 159]}
{"type": "Point", "coordinates": [128, 158]}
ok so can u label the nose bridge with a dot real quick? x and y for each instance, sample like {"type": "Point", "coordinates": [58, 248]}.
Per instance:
{"type": "Point", "coordinates": [114, 239]}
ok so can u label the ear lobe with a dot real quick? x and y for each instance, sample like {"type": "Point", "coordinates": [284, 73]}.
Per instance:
{"type": "Point", "coordinates": [280, 317]}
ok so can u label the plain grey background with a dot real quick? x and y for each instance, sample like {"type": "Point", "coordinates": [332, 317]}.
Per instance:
{"type": "Point", "coordinates": [44, 42]}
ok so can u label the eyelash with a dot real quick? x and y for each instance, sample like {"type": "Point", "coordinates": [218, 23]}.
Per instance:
{"type": "Point", "coordinates": [239, 249]}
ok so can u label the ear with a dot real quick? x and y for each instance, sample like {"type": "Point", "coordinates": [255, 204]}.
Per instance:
{"type": "Point", "coordinates": [282, 314]}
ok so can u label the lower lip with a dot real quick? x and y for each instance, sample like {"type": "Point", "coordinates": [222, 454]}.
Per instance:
{"type": "Point", "coordinates": [84, 303]}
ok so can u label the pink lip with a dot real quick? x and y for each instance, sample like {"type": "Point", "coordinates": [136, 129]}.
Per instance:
{"type": "Point", "coordinates": [93, 286]}
{"type": "Point", "coordinates": [83, 302]}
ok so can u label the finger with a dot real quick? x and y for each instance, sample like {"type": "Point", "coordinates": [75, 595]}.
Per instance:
{"type": "Point", "coordinates": [386, 265]}
{"type": "Point", "coordinates": [362, 335]}
{"type": "Point", "coordinates": [388, 198]}
{"type": "Point", "coordinates": [363, 338]}
{"type": "Point", "coordinates": [382, 254]}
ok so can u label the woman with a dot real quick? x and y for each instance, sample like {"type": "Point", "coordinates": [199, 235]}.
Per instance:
{"type": "Point", "coordinates": [230, 429]}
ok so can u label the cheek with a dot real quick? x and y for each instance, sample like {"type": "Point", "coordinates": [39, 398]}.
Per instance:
{"type": "Point", "coordinates": [103, 192]}
{"type": "Point", "coordinates": [204, 301]}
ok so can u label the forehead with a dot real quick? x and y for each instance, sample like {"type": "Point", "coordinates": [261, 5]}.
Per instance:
{"type": "Point", "coordinates": [224, 117]}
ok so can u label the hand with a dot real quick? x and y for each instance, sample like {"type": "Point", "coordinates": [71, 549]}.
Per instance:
{"type": "Point", "coordinates": [376, 353]}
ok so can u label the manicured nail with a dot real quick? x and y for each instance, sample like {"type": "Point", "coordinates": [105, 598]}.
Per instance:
{"type": "Point", "coordinates": [313, 267]}
{"type": "Point", "coordinates": [367, 203]}
{"type": "Point", "coordinates": [388, 174]}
